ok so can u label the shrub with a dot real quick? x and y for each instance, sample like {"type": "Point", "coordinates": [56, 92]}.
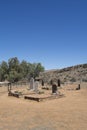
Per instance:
{"type": "Point", "coordinates": [73, 79]}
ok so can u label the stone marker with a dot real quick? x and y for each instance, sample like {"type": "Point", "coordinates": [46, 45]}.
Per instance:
{"type": "Point", "coordinates": [78, 88]}
{"type": "Point", "coordinates": [9, 87]}
{"type": "Point", "coordinates": [32, 83]}
{"type": "Point", "coordinates": [42, 83]}
{"type": "Point", "coordinates": [51, 82]}
{"type": "Point", "coordinates": [54, 88]}
{"type": "Point", "coordinates": [36, 86]}
{"type": "Point", "coordinates": [58, 82]}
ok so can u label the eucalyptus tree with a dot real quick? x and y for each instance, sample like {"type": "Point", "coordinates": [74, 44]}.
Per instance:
{"type": "Point", "coordinates": [3, 71]}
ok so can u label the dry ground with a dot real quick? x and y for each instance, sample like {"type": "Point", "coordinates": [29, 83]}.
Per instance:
{"type": "Point", "coordinates": [67, 113]}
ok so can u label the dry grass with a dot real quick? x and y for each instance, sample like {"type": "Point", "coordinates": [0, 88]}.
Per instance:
{"type": "Point", "coordinates": [67, 113]}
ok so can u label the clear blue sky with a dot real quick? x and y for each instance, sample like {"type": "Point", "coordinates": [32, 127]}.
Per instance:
{"type": "Point", "coordinates": [53, 32]}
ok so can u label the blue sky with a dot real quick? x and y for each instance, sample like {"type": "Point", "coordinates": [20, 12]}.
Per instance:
{"type": "Point", "coordinates": [53, 32]}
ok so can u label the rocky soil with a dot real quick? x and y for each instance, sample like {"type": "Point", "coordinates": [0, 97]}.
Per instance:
{"type": "Point", "coordinates": [67, 113]}
{"type": "Point", "coordinates": [76, 73]}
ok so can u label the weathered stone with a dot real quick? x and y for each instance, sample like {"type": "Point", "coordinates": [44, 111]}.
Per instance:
{"type": "Point", "coordinates": [32, 83]}
{"type": "Point", "coordinates": [54, 88]}
{"type": "Point", "coordinates": [42, 83]}
{"type": "Point", "coordinates": [36, 86]}
{"type": "Point", "coordinates": [58, 82]}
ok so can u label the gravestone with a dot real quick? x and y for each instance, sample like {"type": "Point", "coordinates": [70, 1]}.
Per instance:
{"type": "Point", "coordinates": [42, 83]}
{"type": "Point", "coordinates": [9, 87]}
{"type": "Point", "coordinates": [32, 83]}
{"type": "Point", "coordinates": [78, 88]}
{"type": "Point", "coordinates": [36, 86]}
{"type": "Point", "coordinates": [54, 88]}
{"type": "Point", "coordinates": [58, 82]}
{"type": "Point", "coordinates": [51, 82]}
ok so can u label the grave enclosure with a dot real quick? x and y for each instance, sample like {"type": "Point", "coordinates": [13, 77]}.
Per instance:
{"type": "Point", "coordinates": [35, 92]}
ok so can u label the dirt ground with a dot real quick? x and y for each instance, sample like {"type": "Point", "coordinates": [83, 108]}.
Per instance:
{"type": "Point", "coordinates": [67, 113]}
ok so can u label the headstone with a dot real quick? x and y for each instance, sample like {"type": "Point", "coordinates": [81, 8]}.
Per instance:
{"type": "Point", "coordinates": [42, 83]}
{"type": "Point", "coordinates": [51, 82]}
{"type": "Point", "coordinates": [32, 83]}
{"type": "Point", "coordinates": [36, 86]}
{"type": "Point", "coordinates": [54, 88]}
{"type": "Point", "coordinates": [58, 82]}
{"type": "Point", "coordinates": [78, 88]}
{"type": "Point", "coordinates": [9, 87]}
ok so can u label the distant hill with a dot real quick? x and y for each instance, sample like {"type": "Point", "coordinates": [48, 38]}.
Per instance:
{"type": "Point", "coordinates": [70, 74]}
